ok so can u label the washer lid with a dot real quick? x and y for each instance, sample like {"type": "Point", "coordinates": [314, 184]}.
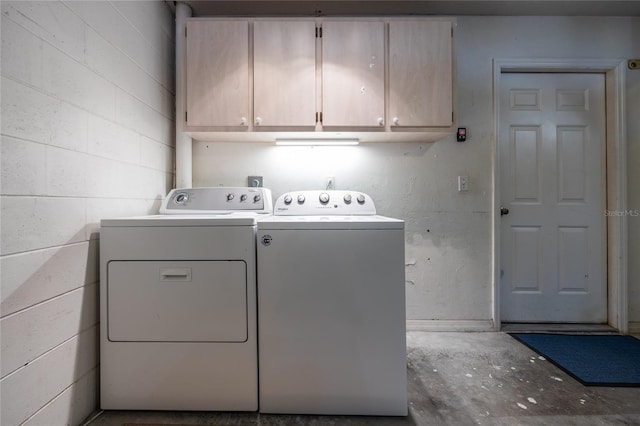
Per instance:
{"type": "Point", "coordinates": [222, 219]}
{"type": "Point", "coordinates": [330, 222]}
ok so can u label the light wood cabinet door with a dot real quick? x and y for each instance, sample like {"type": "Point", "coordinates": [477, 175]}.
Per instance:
{"type": "Point", "coordinates": [420, 74]}
{"type": "Point", "coordinates": [217, 72]}
{"type": "Point", "coordinates": [353, 73]}
{"type": "Point", "coordinates": [284, 76]}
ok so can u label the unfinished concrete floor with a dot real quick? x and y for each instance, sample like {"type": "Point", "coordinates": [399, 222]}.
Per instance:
{"type": "Point", "coordinates": [455, 379]}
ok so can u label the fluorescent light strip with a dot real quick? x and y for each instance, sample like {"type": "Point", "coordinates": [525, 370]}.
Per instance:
{"type": "Point", "coordinates": [317, 142]}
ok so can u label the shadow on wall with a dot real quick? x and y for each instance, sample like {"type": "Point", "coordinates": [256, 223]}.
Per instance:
{"type": "Point", "coordinates": [50, 334]}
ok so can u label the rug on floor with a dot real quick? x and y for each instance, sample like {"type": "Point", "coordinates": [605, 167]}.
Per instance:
{"type": "Point", "coordinates": [592, 359]}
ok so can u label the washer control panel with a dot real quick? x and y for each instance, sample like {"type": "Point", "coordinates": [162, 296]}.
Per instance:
{"type": "Point", "coordinates": [216, 200]}
{"type": "Point", "coordinates": [330, 202]}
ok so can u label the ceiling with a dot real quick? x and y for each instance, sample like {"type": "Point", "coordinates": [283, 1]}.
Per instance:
{"type": "Point", "coordinates": [413, 7]}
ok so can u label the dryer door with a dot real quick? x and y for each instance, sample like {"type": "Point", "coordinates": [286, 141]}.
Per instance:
{"type": "Point", "coordinates": [177, 301]}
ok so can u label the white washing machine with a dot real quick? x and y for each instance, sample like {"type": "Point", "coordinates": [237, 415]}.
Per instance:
{"type": "Point", "coordinates": [331, 307]}
{"type": "Point", "coordinates": [178, 303]}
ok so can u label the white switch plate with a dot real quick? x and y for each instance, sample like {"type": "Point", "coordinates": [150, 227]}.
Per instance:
{"type": "Point", "coordinates": [463, 183]}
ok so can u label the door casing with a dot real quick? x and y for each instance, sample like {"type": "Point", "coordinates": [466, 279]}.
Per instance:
{"type": "Point", "coordinates": [616, 175]}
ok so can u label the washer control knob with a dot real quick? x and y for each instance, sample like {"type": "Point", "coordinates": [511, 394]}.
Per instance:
{"type": "Point", "coordinates": [301, 199]}
{"type": "Point", "coordinates": [230, 196]}
{"type": "Point", "coordinates": [257, 198]}
{"type": "Point", "coordinates": [243, 197]}
{"type": "Point", "coordinates": [360, 199]}
{"type": "Point", "coordinates": [181, 198]}
{"type": "Point", "coordinates": [324, 198]}
{"type": "Point", "coordinates": [287, 199]}
{"type": "Point", "coordinates": [347, 198]}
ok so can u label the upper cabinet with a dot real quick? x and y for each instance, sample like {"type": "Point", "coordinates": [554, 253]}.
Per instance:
{"type": "Point", "coordinates": [217, 73]}
{"type": "Point", "coordinates": [284, 73]}
{"type": "Point", "coordinates": [420, 74]}
{"type": "Point", "coordinates": [379, 79]}
{"type": "Point", "coordinates": [353, 73]}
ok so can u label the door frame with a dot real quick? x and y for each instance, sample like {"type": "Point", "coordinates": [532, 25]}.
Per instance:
{"type": "Point", "coordinates": [616, 175]}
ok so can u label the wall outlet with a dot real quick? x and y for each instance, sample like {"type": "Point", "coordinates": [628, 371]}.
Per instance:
{"type": "Point", "coordinates": [254, 181]}
{"type": "Point", "coordinates": [463, 183]}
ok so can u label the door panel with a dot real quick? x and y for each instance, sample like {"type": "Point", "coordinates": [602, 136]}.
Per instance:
{"type": "Point", "coordinates": [420, 77]}
{"type": "Point", "coordinates": [552, 141]}
{"type": "Point", "coordinates": [353, 73]}
{"type": "Point", "coordinates": [217, 69]}
{"type": "Point", "coordinates": [284, 73]}
{"type": "Point", "coordinates": [177, 301]}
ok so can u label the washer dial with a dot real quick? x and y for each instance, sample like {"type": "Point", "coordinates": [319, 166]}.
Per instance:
{"type": "Point", "coordinates": [324, 198]}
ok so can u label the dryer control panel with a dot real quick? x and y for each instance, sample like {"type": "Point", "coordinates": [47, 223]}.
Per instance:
{"type": "Point", "coordinates": [217, 200]}
{"type": "Point", "coordinates": [329, 202]}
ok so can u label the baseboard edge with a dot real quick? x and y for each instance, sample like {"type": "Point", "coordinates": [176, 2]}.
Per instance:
{"type": "Point", "coordinates": [450, 325]}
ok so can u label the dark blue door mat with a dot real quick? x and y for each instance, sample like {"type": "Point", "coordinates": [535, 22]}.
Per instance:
{"type": "Point", "coordinates": [593, 360]}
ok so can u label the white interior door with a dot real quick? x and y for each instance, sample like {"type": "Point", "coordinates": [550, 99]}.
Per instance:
{"type": "Point", "coordinates": [552, 168]}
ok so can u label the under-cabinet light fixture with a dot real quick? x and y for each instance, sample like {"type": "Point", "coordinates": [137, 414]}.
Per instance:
{"type": "Point", "coordinates": [317, 142]}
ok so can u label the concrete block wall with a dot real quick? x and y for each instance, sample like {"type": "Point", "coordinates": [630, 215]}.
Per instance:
{"type": "Point", "coordinates": [87, 133]}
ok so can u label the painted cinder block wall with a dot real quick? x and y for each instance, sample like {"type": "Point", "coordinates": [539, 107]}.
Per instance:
{"type": "Point", "coordinates": [87, 133]}
{"type": "Point", "coordinates": [448, 234]}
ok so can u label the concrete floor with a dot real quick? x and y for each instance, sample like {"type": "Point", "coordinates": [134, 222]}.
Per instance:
{"type": "Point", "coordinates": [455, 379]}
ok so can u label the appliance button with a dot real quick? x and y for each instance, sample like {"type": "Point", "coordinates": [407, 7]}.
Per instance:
{"type": "Point", "coordinates": [243, 197]}
{"type": "Point", "coordinates": [347, 198]}
{"type": "Point", "coordinates": [287, 199]}
{"type": "Point", "coordinates": [181, 198]}
{"type": "Point", "coordinates": [360, 199]}
{"type": "Point", "coordinates": [301, 199]}
{"type": "Point", "coordinates": [256, 198]}
{"type": "Point", "coordinates": [324, 198]}
{"type": "Point", "coordinates": [230, 197]}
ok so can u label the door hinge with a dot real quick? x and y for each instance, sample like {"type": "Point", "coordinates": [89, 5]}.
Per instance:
{"type": "Point", "coordinates": [318, 32]}
{"type": "Point", "coordinates": [451, 32]}
{"type": "Point", "coordinates": [452, 117]}
{"type": "Point", "coordinates": [185, 117]}
{"type": "Point", "coordinates": [185, 31]}
{"type": "Point", "coordinates": [320, 117]}
{"type": "Point", "coordinates": [316, 117]}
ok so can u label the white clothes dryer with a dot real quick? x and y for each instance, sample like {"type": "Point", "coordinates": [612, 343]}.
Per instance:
{"type": "Point", "coordinates": [178, 303]}
{"type": "Point", "coordinates": [331, 307]}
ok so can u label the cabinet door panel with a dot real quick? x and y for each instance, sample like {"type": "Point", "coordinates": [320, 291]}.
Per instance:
{"type": "Point", "coordinates": [217, 71]}
{"type": "Point", "coordinates": [420, 73]}
{"type": "Point", "coordinates": [284, 73]}
{"type": "Point", "coordinates": [352, 73]}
